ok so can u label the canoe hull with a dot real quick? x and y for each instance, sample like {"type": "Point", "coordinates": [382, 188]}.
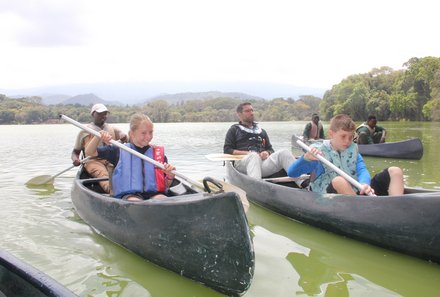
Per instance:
{"type": "Point", "coordinates": [407, 149]}
{"type": "Point", "coordinates": [411, 149]}
{"type": "Point", "coordinates": [409, 224]}
{"type": "Point", "coordinates": [203, 237]}
{"type": "Point", "coordinates": [18, 278]}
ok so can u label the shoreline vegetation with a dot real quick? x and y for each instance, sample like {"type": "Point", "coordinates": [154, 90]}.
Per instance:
{"type": "Point", "coordinates": [412, 94]}
{"type": "Point", "coordinates": [30, 110]}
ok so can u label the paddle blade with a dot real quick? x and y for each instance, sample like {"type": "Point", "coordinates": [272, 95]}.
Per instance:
{"type": "Point", "coordinates": [40, 180]}
{"type": "Point", "coordinates": [224, 157]}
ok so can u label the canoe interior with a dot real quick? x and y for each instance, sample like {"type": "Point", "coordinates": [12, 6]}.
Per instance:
{"type": "Point", "coordinates": [18, 278]}
{"type": "Point", "coordinates": [204, 237]}
{"type": "Point", "coordinates": [409, 223]}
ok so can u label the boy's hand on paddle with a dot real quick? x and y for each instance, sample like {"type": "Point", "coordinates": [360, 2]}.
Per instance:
{"type": "Point", "coordinates": [366, 190]}
{"type": "Point", "coordinates": [311, 155]}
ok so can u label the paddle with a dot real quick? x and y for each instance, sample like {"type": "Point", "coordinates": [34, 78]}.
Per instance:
{"type": "Point", "coordinates": [48, 179]}
{"type": "Point", "coordinates": [310, 141]}
{"type": "Point", "coordinates": [191, 183]}
{"type": "Point", "coordinates": [224, 157]}
{"type": "Point", "coordinates": [332, 166]}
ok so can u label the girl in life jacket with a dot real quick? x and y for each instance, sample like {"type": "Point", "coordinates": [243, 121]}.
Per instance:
{"type": "Point", "coordinates": [134, 178]}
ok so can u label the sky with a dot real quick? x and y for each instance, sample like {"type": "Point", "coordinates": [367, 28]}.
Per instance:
{"type": "Point", "coordinates": [310, 43]}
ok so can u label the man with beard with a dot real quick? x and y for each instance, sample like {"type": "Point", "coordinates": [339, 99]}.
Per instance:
{"type": "Point", "coordinates": [247, 138]}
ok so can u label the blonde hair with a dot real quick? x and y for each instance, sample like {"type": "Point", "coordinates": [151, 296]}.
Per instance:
{"type": "Point", "coordinates": [342, 122]}
{"type": "Point", "coordinates": [137, 119]}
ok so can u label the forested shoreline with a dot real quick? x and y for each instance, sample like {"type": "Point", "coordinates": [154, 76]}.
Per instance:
{"type": "Point", "coordinates": [412, 93]}
{"type": "Point", "coordinates": [31, 111]}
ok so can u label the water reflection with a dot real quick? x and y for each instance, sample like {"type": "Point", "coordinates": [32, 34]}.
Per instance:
{"type": "Point", "coordinates": [120, 272]}
{"type": "Point", "coordinates": [324, 264]}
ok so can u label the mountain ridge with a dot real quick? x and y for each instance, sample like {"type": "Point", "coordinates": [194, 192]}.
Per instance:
{"type": "Point", "coordinates": [140, 92]}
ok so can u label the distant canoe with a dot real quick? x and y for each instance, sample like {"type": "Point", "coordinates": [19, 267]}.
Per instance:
{"type": "Point", "coordinates": [406, 149]}
{"type": "Point", "coordinates": [18, 278]}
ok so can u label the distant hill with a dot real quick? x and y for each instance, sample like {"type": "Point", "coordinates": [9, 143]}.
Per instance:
{"type": "Point", "coordinates": [85, 99]}
{"type": "Point", "coordinates": [138, 92]}
{"type": "Point", "coordinates": [49, 99]}
{"type": "Point", "coordinates": [179, 97]}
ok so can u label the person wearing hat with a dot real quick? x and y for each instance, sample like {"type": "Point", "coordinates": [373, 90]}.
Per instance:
{"type": "Point", "coordinates": [97, 167]}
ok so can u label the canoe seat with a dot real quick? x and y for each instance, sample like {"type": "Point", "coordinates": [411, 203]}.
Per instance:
{"type": "Point", "coordinates": [92, 182]}
{"type": "Point", "coordinates": [177, 188]}
{"type": "Point", "coordinates": [281, 178]}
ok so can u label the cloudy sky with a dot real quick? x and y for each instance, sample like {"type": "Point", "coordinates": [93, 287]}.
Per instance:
{"type": "Point", "coordinates": [313, 43]}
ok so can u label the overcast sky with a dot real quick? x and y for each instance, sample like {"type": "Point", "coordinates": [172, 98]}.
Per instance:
{"type": "Point", "coordinates": [303, 43]}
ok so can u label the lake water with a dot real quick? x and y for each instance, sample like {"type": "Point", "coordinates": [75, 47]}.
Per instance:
{"type": "Point", "coordinates": [40, 226]}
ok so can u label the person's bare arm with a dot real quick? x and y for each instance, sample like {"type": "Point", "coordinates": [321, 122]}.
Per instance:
{"type": "Point", "coordinates": [91, 148]}
{"type": "Point", "coordinates": [75, 157]}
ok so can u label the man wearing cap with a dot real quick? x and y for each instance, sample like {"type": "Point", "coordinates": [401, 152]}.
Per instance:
{"type": "Point", "coordinates": [97, 167]}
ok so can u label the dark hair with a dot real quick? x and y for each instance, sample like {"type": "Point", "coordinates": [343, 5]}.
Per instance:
{"type": "Point", "coordinates": [371, 117]}
{"type": "Point", "coordinates": [241, 105]}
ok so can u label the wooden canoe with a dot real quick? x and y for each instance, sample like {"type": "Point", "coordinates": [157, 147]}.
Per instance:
{"type": "Point", "coordinates": [204, 237]}
{"type": "Point", "coordinates": [19, 279]}
{"type": "Point", "coordinates": [406, 149]}
{"type": "Point", "coordinates": [409, 223]}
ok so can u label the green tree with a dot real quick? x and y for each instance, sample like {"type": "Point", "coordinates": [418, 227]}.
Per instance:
{"type": "Point", "coordinates": [418, 81]}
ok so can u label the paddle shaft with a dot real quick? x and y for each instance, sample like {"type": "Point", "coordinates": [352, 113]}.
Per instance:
{"type": "Point", "coordinates": [67, 169]}
{"type": "Point", "coordinates": [334, 167]}
{"type": "Point", "coordinates": [47, 179]}
{"type": "Point", "coordinates": [224, 157]}
{"type": "Point", "coordinates": [133, 152]}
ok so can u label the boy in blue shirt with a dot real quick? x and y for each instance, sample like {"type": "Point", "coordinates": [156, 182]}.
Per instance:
{"type": "Point", "coordinates": [343, 153]}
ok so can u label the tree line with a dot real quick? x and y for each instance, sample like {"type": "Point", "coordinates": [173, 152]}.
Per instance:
{"type": "Point", "coordinates": [412, 93]}
{"type": "Point", "coordinates": [30, 110]}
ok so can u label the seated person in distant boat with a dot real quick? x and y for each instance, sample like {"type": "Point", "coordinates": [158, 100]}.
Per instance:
{"type": "Point", "coordinates": [343, 153]}
{"type": "Point", "coordinates": [313, 130]}
{"type": "Point", "coordinates": [97, 167]}
{"type": "Point", "coordinates": [247, 138]}
{"type": "Point", "coordinates": [135, 179]}
{"type": "Point", "coordinates": [369, 132]}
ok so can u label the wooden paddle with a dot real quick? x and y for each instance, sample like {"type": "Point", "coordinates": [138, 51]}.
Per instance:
{"type": "Point", "coordinates": [332, 166]}
{"type": "Point", "coordinates": [193, 184]}
{"type": "Point", "coordinates": [224, 157]}
{"type": "Point", "coordinates": [48, 179]}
